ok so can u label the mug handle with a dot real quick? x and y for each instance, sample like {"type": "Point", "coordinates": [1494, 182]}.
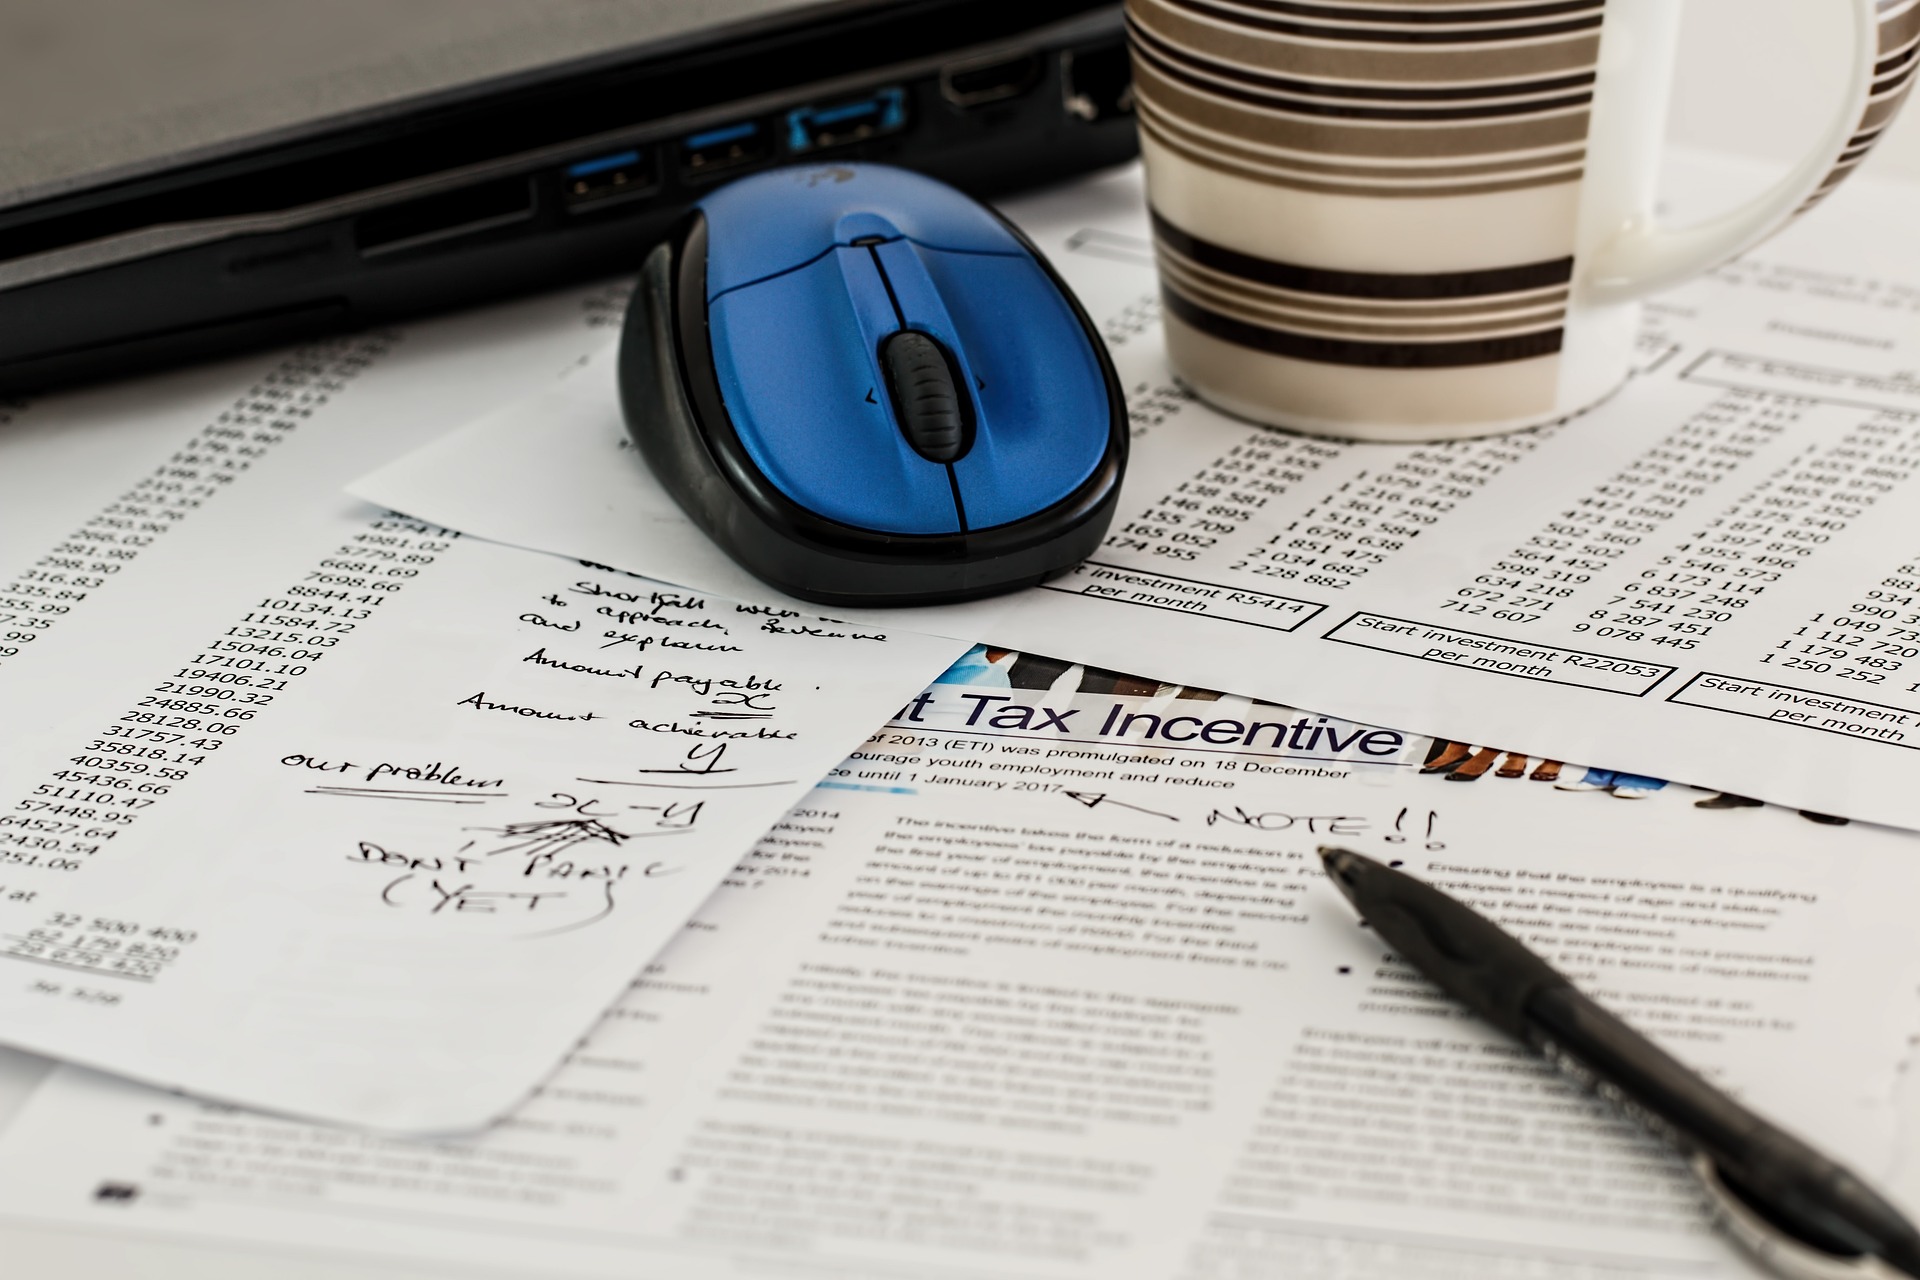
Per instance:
{"type": "Point", "coordinates": [1646, 256]}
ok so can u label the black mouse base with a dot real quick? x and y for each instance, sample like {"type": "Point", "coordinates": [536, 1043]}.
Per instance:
{"type": "Point", "coordinates": [674, 414]}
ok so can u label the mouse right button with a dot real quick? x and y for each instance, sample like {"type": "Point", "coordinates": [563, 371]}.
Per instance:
{"type": "Point", "coordinates": [1045, 421]}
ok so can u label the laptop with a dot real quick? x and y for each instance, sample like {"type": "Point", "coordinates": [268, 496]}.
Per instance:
{"type": "Point", "coordinates": [179, 181]}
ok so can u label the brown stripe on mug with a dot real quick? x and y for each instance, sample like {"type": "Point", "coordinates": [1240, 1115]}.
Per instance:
{"type": "Point", "coordinates": [1888, 65]}
{"type": "Point", "coordinates": [1523, 320]}
{"type": "Point", "coordinates": [1519, 321]}
{"type": "Point", "coordinates": [1899, 37]}
{"type": "Point", "coordinates": [1369, 91]}
{"type": "Point", "coordinates": [1230, 292]}
{"type": "Point", "coordinates": [1386, 171]}
{"type": "Point", "coordinates": [1425, 11]}
{"type": "Point", "coordinates": [1226, 82]}
{"type": "Point", "coordinates": [1480, 283]}
{"type": "Point", "coordinates": [1375, 188]}
{"type": "Point", "coordinates": [1334, 137]}
{"type": "Point", "coordinates": [1286, 22]}
{"type": "Point", "coordinates": [1259, 79]}
{"type": "Point", "coordinates": [1377, 64]}
{"type": "Point", "coordinates": [1356, 351]}
{"type": "Point", "coordinates": [1226, 41]}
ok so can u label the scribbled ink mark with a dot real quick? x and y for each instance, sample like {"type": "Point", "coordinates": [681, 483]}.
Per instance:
{"type": "Point", "coordinates": [544, 836]}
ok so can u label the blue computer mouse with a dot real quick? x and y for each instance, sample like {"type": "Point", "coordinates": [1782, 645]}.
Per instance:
{"type": "Point", "coordinates": [869, 389]}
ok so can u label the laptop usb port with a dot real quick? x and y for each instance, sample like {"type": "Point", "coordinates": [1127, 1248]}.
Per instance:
{"type": "Point", "coordinates": [606, 178]}
{"type": "Point", "coordinates": [727, 147]}
{"type": "Point", "coordinates": [836, 124]}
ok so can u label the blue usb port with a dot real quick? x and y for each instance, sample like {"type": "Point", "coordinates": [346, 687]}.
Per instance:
{"type": "Point", "coordinates": [728, 147]}
{"type": "Point", "coordinates": [836, 124]}
{"type": "Point", "coordinates": [607, 178]}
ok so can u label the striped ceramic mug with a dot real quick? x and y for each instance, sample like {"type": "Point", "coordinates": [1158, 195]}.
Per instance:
{"type": "Point", "coordinates": [1428, 219]}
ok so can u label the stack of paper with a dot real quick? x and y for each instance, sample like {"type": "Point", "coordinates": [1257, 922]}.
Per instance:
{"type": "Point", "coordinates": [358, 816]}
{"type": "Point", "coordinates": [1709, 577]}
{"type": "Point", "coordinates": [330, 811]}
{"type": "Point", "coordinates": [1030, 986]}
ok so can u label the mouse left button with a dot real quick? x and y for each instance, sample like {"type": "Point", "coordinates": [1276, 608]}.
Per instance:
{"type": "Point", "coordinates": [796, 361]}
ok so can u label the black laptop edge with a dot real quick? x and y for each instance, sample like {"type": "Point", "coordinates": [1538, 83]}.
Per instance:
{"type": "Point", "coordinates": [550, 178]}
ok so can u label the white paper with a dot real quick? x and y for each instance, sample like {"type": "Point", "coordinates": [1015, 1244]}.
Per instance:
{"type": "Point", "coordinates": [338, 814]}
{"type": "Point", "coordinates": [228, 468]}
{"type": "Point", "coordinates": [1710, 577]}
{"type": "Point", "coordinates": [558, 472]}
{"type": "Point", "coordinates": [1050, 1001]}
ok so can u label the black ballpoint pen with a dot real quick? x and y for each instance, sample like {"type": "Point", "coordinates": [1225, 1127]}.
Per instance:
{"type": "Point", "coordinates": [1801, 1213]}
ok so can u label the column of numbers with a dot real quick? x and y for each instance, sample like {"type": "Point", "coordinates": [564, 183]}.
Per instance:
{"type": "Point", "coordinates": [1219, 499]}
{"type": "Point", "coordinates": [1566, 560]}
{"type": "Point", "coordinates": [38, 597]}
{"type": "Point", "coordinates": [1360, 525]}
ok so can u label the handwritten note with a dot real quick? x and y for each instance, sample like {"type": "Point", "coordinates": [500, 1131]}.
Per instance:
{"type": "Point", "coordinates": [381, 847]}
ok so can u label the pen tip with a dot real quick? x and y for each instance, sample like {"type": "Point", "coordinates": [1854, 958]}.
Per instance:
{"type": "Point", "coordinates": [1345, 868]}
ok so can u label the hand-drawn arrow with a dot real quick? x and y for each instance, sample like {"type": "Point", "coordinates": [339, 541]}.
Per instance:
{"type": "Point", "coordinates": [1093, 799]}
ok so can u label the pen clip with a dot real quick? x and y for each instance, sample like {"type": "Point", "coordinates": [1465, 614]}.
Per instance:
{"type": "Point", "coordinates": [1776, 1250]}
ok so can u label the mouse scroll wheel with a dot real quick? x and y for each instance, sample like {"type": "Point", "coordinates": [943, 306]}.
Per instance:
{"type": "Point", "coordinates": [932, 409]}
